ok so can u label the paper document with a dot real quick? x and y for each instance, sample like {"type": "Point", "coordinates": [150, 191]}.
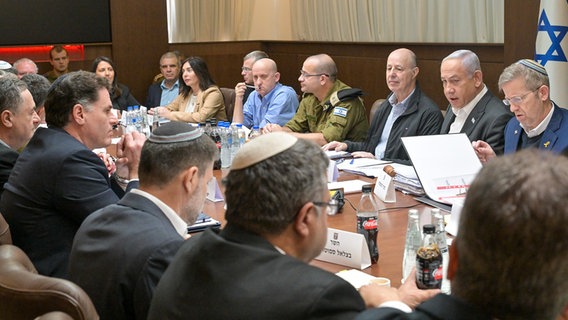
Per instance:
{"type": "Point", "coordinates": [363, 166]}
{"type": "Point", "coordinates": [446, 164]}
{"type": "Point", "coordinates": [349, 186]}
{"type": "Point", "coordinates": [355, 277]}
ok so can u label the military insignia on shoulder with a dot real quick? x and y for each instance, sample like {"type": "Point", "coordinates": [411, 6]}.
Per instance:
{"type": "Point", "coordinates": [343, 95]}
{"type": "Point", "coordinates": [340, 111]}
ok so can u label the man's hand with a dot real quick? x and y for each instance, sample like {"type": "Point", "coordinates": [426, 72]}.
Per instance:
{"type": "Point", "coordinates": [128, 152]}
{"type": "Point", "coordinates": [483, 151]}
{"type": "Point", "coordinates": [335, 145]}
{"type": "Point", "coordinates": [411, 295]}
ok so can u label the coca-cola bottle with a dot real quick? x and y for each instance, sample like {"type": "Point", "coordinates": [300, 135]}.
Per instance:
{"type": "Point", "coordinates": [367, 221]}
{"type": "Point", "coordinates": [429, 262]}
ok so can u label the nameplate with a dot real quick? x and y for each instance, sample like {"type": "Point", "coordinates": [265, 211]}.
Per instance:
{"type": "Point", "coordinates": [332, 172]}
{"type": "Point", "coordinates": [213, 191]}
{"type": "Point", "coordinates": [384, 187]}
{"type": "Point", "coordinates": [346, 248]}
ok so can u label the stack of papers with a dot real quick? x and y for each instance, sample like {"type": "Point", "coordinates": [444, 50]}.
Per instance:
{"type": "Point", "coordinates": [406, 180]}
{"type": "Point", "coordinates": [203, 222]}
{"type": "Point", "coordinates": [363, 166]}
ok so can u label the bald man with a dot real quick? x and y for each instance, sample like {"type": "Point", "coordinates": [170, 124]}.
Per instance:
{"type": "Point", "coordinates": [271, 102]}
{"type": "Point", "coordinates": [322, 115]}
{"type": "Point", "coordinates": [406, 112]}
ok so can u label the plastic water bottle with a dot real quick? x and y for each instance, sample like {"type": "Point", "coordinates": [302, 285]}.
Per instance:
{"type": "Point", "coordinates": [438, 221]}
{"type": "Point", "coordinates": [241, 135]}
{"type": "Point", "coordinates": [367, 221]}
{"type": "Point", "coordinates": [226, 141]}
{"type": "Point", "coordinates": [137, 118]}
{"type": "Point", "coordinates": [130, 121]}
{"type": "Point", "coordinates": [255, 132]}
{"type": "Point", "coordinates": [234, 140]}
{"type": "Point", "coordinates": [412, 243]}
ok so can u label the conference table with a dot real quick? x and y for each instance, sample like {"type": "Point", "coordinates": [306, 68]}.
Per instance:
{"type": "Point", "coordinates": [392, 227]}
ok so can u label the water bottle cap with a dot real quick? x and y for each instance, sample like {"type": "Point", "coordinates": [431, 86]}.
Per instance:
{"type": "Point", "coordinates": [367, 188]}
{"type": "Point", "coordinates": [429, 228]}
{"type": "Point", "coordinates": [129, 108]}
{"type": "Point", "coordinates": [255, 127]}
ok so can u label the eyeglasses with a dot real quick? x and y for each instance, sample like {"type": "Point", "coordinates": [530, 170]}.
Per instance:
{"type": "Point", "coordinates": [246, 69]}
{"type": "Point", "coordinates": [331, 207]}
{"type": "Point", "coordinates": [304, 74]}
{"type": "Point", "coordinates": [518, 99]}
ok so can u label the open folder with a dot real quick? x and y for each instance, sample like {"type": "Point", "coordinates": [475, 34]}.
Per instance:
{"type": "Point", "coordinates": [445, 164]}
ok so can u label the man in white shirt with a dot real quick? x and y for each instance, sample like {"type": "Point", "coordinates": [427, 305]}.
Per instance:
{"type": "Point", "coordinates": [473, 109]}
{"type": "Point", "coordinates": [121, 251]}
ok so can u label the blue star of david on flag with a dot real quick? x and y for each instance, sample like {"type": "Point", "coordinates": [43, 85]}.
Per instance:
{"type": "Point", "coordinates": [556, 34]}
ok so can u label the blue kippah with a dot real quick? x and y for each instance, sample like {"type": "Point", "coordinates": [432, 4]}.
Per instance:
{"type": "Point", "coordinates": [531, 64]}
{"type": "Point", "coordinates": [174, 131]}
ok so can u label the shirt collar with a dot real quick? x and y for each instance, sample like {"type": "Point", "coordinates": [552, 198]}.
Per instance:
{"type": "Point", "coordinates": [175, 220]}
{"type": "Point", "coordinates": [466, 110]}
{"type": "Point", "coordinates": [4, 143]}
{"type": "Point", "coordinates": [163, 85]}
{"type": "Point", "coordinates": [393, 99]}
{"type": "Point", "coordinates": [541, 126]}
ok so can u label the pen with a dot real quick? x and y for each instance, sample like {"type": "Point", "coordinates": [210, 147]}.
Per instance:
{"type": "Point", "coordinates": [352, 161]}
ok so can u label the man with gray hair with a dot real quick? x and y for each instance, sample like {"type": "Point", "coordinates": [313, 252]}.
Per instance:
{"type": "Point", "coordinates": [38, 86]}
{"type": "Point", "coordinates": [244, 89]}
{"type": "Point", "coordinates": [165, 91]}
{"type": "Point", "coordinates": [18, 121]}
{"type": "Point", "coordinates": [25, 66]}
{"type": "Point", "coordinates": [473, 109]}
{"type": "Point", "coordinates": [538, 122]}
{"type": "Point", "coordinates": [58, 180]}
{"type": "Point", "coordinates": [150, 222]}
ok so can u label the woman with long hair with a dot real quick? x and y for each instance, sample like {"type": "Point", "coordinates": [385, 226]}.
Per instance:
{"type": "Point", "coordinates": [119, 93]}
{"type": "Point", "coordinates": [199, 98]}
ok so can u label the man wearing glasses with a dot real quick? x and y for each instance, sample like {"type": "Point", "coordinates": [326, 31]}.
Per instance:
{"type": "Point", "coordinates": [325, 114]}
{"type": "Point", "coordinates": [473, 109]}
{"type": "Point", "coordinates": [538, 122]}
{"type": "Point", "coordinates": [245, 88]}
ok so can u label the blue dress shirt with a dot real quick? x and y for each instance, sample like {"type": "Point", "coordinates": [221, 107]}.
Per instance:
{"type": "Point", "coordinates": [278, 106]}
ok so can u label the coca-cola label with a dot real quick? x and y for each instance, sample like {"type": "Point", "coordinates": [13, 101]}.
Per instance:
{"type": "Point", "coordinates": [438, 273]}
{"type": "Point", "coordinates": [370, 224]}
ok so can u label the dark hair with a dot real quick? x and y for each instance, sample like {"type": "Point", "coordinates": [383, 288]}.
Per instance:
{"type": "Point", "coordinates": [265, 197]}
{"type": "Point", "coordinates": [512, 247]}
{"type": "Point", "coordinates": [161, 162]}
{"type": "Point", "coordinates": [79, 87]}
{"type": "Point", "coordinates": [201, 71]}
{"type": "Point", "coordinates": [115, 90]}
{"type": "Point", "coordinates": [11, 89]}
{"type": "Point", "coordinates": [38, 86]}
{"type": "Point", "coordinates": [56, 49]}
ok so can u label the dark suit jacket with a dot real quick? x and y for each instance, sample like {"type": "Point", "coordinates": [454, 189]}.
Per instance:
{"type": "Point", "coordinates": [240, 275]}
{"type": "Point", "coordinates": [125, 99]}
{"type": "Point", "coordinates": [8, 158]}
{"type": "Point", "coordinates": [120, 253]}
{"type": "Point", "coordinates": [55, 184]}
{"type": "Point", "coordinates": [440, 307]}
{"type": "Point", "coordinates": [486, 122]}
{"type": "Point", "coordinates": [422, 117]}
{"type": "Point", "coordinates": [554, 138]}
{"type": "Point", "coordinates": [154, 95]}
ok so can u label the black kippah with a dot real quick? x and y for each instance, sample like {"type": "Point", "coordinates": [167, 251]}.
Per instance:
{"type": "Point", "coordinates": [174, 131]}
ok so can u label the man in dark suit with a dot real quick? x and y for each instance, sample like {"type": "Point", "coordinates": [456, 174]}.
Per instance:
{"type": "Point", "coordinates": [121, 251]}
{"type": "Point", "coordinates": [509, 258]}
{"type": "Point", "coordinates": [58, 181]}
{"type": "Point", "coordinates": [408, 111]}
{"type": "Point", "coordinates": [473, 109]}
{"type": "Point", "coordinates": [163, 92]}
{"type": "Point", "coordinates": [18, 121]}
{"type": "Point", "coordinates": [257, 266]}
{"type": "Point", "coordinates": [538, 122]}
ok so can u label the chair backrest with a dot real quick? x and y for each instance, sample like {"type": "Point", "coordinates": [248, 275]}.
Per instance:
{"type": "Point", "coordinates": [374, 108]}
{"type": "Point", "coordinates": [229, 98]}
{"type": "Point", "coordinates": [5, 235]}
{"type": "Point", "coordinates": [24, 294]}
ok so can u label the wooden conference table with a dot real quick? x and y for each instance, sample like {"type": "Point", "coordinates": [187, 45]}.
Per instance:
{"type": "Point", "coordinates": [392, 228]}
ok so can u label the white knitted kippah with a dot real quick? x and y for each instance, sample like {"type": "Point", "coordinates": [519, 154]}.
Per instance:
{"type": "Point", "coordinates": [262, 148]}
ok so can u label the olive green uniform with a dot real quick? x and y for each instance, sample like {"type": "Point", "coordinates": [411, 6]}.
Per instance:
{"type": "Point", "coordinates": [345, 120]}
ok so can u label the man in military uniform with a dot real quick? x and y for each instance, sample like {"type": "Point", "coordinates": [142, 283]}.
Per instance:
{"type": "Point", "coordinates": [330, 110]}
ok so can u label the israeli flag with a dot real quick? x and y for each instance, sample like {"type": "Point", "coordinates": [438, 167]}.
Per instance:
{"type": "Point", "coordinates": [552, 47]}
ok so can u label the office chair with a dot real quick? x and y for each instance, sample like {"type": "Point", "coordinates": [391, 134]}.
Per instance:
{"type": "Point", "coordinates": [24, 294]}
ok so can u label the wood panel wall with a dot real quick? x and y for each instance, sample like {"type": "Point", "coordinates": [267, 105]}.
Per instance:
{"type": "Point", "coordinates": [139, 37]}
